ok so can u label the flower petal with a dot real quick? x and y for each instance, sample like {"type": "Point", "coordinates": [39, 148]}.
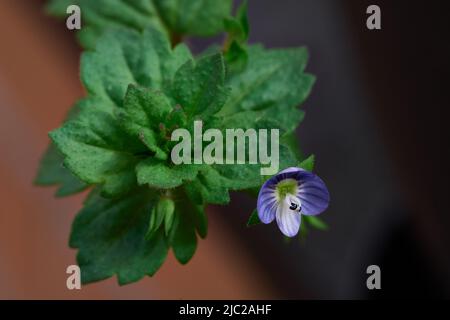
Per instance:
{"type": "Point", "coordinates": [267, 202]}
{"type": "Point", "coordinates": [312, 193]}
{"type": "Point", "coordinates": [290, 169]}
{"type": "Point", "coordinates": [288, 220]}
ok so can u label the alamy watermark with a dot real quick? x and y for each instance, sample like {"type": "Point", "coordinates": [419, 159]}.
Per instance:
{"type": "Point", "coordinates": [73, 21]}
{"type": "Point", "coordinates": [74, 279]}
{"type": "Point", "coordinates": [239, 146]}
{"type": "Point", "coordinates": [374, 280]}
{"type": "Point", "coordinates": [373, 21]}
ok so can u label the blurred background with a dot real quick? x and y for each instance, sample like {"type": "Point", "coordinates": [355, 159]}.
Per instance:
{"type": "Point", "coordinates": [375, 120]}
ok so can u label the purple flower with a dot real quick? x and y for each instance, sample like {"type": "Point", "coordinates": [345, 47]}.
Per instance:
{"type": "Point", "coordinates": [289, 194]}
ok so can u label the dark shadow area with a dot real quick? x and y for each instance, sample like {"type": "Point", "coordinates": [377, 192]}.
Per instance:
{"type": "Point", "coordinates": [376, 121]}
{"type": "Point", "coordinates": [407, 270]}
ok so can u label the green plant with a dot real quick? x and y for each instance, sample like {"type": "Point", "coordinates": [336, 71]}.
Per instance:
{"type": "Point", "coordinates": [142, 81]}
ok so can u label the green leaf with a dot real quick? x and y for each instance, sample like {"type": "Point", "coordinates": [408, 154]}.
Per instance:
{"type": "Point", "coordinates": [182, 17]}
{"type": "Point", "coordinates": [137, 14]}
{"type": "Point", "coordinates": [183, 238]}
{"type": "Point", "coordinates": [213, 183]}
{"type": "Point", "coordinates": [52, 172]}
{"type": "Point", "coordinates": [158, 174]}
{"type": "Point", "coordinates": [156, 220]}
{"type": "Point", "coordinates": [272, 78]}
{"type": "Point", "coordinates": [110, 236]}
{"type": "Point", "coordinates": [139, 90]}
{"type": "Point", "coordinates": [168, 220]}
{"type": "Point", "coordinates": [253, 219]}
{"type": "Point", "coordinates": [238, 27]}
{"type": "Point", "coordinates": [97, 150]}
{"type": "Point", "coordinates": [247, 176]}
{"type": "Point", "coordinates": [236, 57]}
{"type": "Point", "coordinates": [199, 88]}
{"type": "Point", "coordinates": [235, 46]}
{"type": "Point", "coordinates": [101, 15]}
{"type": "Point", "coordinates": [200, 219]}
{"type": "Point", "coordinates": [234, 29]}
{"type": "Point", "coordinates": [114, 238]}
{"type": "Point", "coordinates": [291, 140]}
{"type": "Point", "coordinates": [146, 59]}
{"type": "Point", "coordinates": [242, 17]}
{"type": "Point", "coordinates": [194, 17]}
{"type": "Point", "coordinates": [143, 113]}
{"type": "Point", "coordinates": [267, 93]}
{"type": "Point", "coordinates": [316, 222]}
{"type": "Point", "coordinates": [308, 163]}
{"type": "Point", "coordinates": [277, 117]}
{"type": "Point", "coordinates": [163, 211]}
{"type": "Point", "coordinates": [188, 219]}
{"type": "Point", "coordinates": [97, 146]}
{"type": "Point", "coordinates": [208, 187]}
{"type": "Point", "coordinates": [165, 206]}
{"type": "Point", "coordinates": [195, 210]}
{"type": "Point", "coordinates": [146, 107]}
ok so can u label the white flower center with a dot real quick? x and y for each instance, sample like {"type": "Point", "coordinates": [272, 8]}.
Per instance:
{"type": "Point", "coordinates": [293, 203]}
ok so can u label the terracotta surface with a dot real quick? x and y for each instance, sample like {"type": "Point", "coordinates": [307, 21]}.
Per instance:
{"type": "Point", "coordinates": [38, 83]}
